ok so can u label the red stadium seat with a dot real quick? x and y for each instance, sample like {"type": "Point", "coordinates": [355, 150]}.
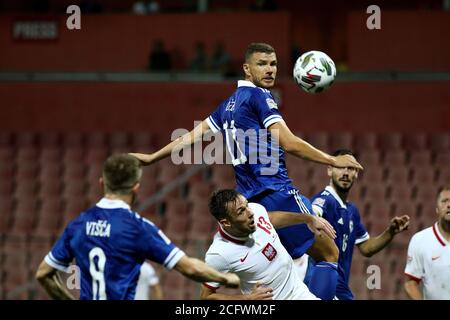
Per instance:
{"type": "Point", "coordinates": [440, 142]}
{"type": "Point", "coordinates": [120, 139]}
{"type": "Point", "coordinates": [143, 141]}
{"type": "Point", "coordinates": [73, 140]}
{"type": "Point", "coordinates": [416, 141]}
{"type": "Point", "coordinates": [73, 155]}
{"type": "Point", "coordinates": [442, 159]}
{"type": "Point", "coordinates": [6, 154]}
{"type": "Point", "coordinates": [341, 140]}
{"type": "Point", "coordinates": [369, 158]}
{"type": "Point", "coordinates": [6, 139]}
{"type": "Point", "coordinates": [424, 175]}
{"type": "Point", "coordinates": [365, 142]}
{"type": "Point", "coordinates": [371, 174]}
{"type": "Point", "coordinates": [25, 139]}
{"type": "Point", "coordinates": [443, 176]}
{"type": "Point", "coordinates": [96, 139]}
{"type": "Point", "coordinates": [223, 177]}
{"type": "Point", "coordinates": [375, 191]}
{"type": "Point", "coordinates": [394, 158]}
{"type": "Point", "coordinates": [6, 216]}
{"type": "Point", "coordinates": [97, 155]}
{"type": "Point", "coordinates": [50, 155]}
{"type": "Point", "coordinates": [391, 141]}
{"type": "Point", "coordinates": [74, 171]}
{"type": "Point", "coordinates": [27, 154]}
{"type": "Point", "coordinates": [425, 193]}
{"type": "Point", "coordinates": [320, 140]}
{"type": "Point", "coordinates": [397, 175]}
{"type": "Point", "coordinates": [49, 139]}
{"type": "Point", "coordinates": [420, 158]}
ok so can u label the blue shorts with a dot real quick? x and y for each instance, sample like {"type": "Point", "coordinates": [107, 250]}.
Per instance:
{"type": "Point", "coordinates": [297, 239]}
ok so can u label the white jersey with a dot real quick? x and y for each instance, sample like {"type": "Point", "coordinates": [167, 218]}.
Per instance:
{"type": "Point", "coordinates": [429, 261]}
{"type": "Point", "coordinates": [258, 258]}
{"type": "Point", "coordinates": [147, 278]}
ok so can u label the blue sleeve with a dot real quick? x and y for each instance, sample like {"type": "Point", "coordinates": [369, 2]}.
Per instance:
{"type": "Point", "coordinates": [265, 107]}
{"type": "Point", "coordinates": [61, 254]}
{"type": "Point", "coordinates": [215, 120]}
{"type": "Point", "coordinates": [361, 233]}
{"type": "Point", "coordinates": [154, 245]}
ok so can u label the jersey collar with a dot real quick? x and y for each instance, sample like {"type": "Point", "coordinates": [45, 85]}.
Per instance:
{"type": "Point", "coordinates": [331, 190]}
{"type": "Point", "coordinates": [105, 203]}
{"type": "Point", "coordinates": [231, 238]}
{"type": "Point", "coordinates": [438, 235]}
{"type": "Point", "coordinates": [245, 83]}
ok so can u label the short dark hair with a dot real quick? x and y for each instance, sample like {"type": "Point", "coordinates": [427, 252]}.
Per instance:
{"type": "Point", "coordinates": [218, 203]}
{"type": "Point", "coordinates": [441, 189]}
{"type": "Point", "coordinates": [257, 47]}
{"type": "Point", "coordinates": [343, 152]}
{"type": "Point", "coordinates": [121, 172]}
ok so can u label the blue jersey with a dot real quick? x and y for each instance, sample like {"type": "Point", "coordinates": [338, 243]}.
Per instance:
{"type": "Point", "coordinates": [109, 242]}
{"type": "Point", "coordinates": [345, 219]}
{"type": "Point", "coordinates": [258, 161]}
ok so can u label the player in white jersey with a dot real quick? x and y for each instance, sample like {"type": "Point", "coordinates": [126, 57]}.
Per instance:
{"type": "Point", "coordinates": [248, 245]}
{"type": "Point", "coordinates": [148, 286]}
{"type": "Point", "coordinates": [429, 256]}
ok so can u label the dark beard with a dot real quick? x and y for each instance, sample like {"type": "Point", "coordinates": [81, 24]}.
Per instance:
{"type": "Point", "coordinates": [341, 190]}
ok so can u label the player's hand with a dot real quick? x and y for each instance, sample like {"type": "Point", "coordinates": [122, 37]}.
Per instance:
{"type": "Point", "coordinates": [347, 161]}
{"type": "Point", "coordinates": [317, 225]}
{"type": "Point", "coordinates": [260, 292]}
{"type": "Point", "coordinates": [399, 224]}
{"type": "Point", "coordinates": [145, 159]}
{"type": "Point", "coordinates": [232, 280]}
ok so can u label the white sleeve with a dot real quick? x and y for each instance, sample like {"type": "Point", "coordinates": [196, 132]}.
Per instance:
{"type": "Point", "coordinates": [149, 274]}
{"type": "Point", "coordinates": [219, 263]}
{"type": "Point", "coordinates": [414, 264]}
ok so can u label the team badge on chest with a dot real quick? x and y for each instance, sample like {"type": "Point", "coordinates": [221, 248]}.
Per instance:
{"type": "Point", "coordinates": [269, 252]}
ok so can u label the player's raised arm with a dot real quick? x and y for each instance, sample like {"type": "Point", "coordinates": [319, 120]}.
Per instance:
{"type": "Point", "coordinates": [302, 149]}
{"type": "Point", "coordinates": [186, 140]}
{"type": "Point", "coordinates": [317, 225]}
{"type": "Point", "coordinates": [199, 271]}
{"type": "Point", "coordinates": [373, 245]}
{"type": "Point", "coordinates": [49, 278]}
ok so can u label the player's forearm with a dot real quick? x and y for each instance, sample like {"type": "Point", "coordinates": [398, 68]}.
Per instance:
{"type": "Point", "coordinates": [54, 288]}
{"type": "Point", "coordinates": [197, 270]}
{"type": "Point", "coordinates": [374, 245]}
{"type": "Point", "coordinates": [303, 149]}
{"type": "Point", "coordinates": [178, 144]}
{"type": "Point", "coordinates": [220, 296]}
{"type": "Point", "coordinates": [281, 219]}
{"type": "Point", "coordinates": [413, 291]}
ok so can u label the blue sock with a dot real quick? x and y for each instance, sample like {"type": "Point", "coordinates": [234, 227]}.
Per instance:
{"type": "Point", "coordinates": [324, 280]}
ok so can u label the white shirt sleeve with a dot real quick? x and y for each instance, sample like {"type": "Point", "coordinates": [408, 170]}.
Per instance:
{"type": "Point", "coordinates": [219, 263]}
{"type": "Point", "coordinates": [149, 274]}
{"type": "Point", "coordinates": [414, 264]}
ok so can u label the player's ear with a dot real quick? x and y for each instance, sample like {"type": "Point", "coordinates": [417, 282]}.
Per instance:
{"type": "Point", "coordinates": [246, 68]}
{"type": "Point", "coordinates": [101, 183]}
{"type": "Point", "coordinates": [356, 174]}
{"type": "Point", "coordinates": [224, 222]}
{"type": "Point", "coordinates": [329, 171]}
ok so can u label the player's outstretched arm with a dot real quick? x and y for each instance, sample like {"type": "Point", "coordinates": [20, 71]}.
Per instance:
{"type": "Point", "coordinates": [49, 278]}
{"type": "Point", "coordinates": [302, 149]}
{"type": "Point", "coordinates": [259, 292]}
{"type": "Point", "coordinates": [197, 270]}
{"type": "Point", "coordinates": [317, 225]}
{"type": "Point", "coordinates": [373, 245]}
{"type": "Point", "coordinates": [186, 140]}
{"type": "Point", "coordinates": [412, 288]}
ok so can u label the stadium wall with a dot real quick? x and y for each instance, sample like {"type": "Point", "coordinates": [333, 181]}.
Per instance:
{"type": "Point", "coordinates": [161, 107]}
{"type": "Point", "coordinates": [123, 42]}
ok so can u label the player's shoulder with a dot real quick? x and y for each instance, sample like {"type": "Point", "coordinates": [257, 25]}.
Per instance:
{"type": "Point", "coordinates": [423, 236]}
{"type": "Point", "coordinates": [323, 198]}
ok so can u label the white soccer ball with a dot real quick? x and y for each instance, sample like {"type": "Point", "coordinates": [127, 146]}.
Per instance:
{"type": "Point", "coordinates": [314, 71]}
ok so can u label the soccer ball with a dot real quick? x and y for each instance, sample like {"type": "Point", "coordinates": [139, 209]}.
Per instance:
{"type": "Point", "coordinates": [314, 71]}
